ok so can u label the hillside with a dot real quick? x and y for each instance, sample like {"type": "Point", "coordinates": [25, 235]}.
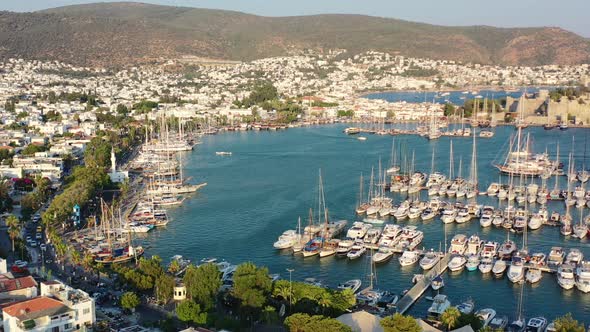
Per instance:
{"type": "Point", "coordinates": [119, 34]}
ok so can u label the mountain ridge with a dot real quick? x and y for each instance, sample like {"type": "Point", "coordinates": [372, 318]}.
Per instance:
{"type": "Point", "coordinates": [125, 33]}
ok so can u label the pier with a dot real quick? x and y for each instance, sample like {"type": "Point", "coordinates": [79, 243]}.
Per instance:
{"type": "Point", "coordinates": [422, 285]}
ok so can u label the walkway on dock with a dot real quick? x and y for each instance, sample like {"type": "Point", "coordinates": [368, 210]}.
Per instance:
{"type": "Point", "coordinates": [422, 285]}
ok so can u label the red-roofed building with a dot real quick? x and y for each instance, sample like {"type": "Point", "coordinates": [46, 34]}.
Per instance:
{"type": "Point", "coordinates": [39, 314]}
{"type": "Point", "coordinates": [17, 288]}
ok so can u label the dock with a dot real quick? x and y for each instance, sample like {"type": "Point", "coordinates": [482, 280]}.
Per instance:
{"type": "Point", "coordinates": [422, 285]}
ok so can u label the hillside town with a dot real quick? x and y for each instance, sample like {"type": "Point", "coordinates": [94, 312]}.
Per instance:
{"type": "Point", "coordinates": [81, 150]}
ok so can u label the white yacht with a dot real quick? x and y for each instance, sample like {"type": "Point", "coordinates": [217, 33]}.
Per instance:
{"type": "Point", "coordinates": [287, 239]}
{"type": "Point", "coordinates": [390, 236]}
{"type": "Point", "coordinates": [485, 265]}
{"type": "Point", "coordinates": [490, 249]}
{"type": "Point", "coordinates": [344, 247]}
{"type": "Point", "coordinates": [487, 216]}
{"type": "Point", "coordinates": [382, 255]}
{"type": "Point", "coordinates": [474, 245]}
{"type": "Point", "coordinates": [356, 251]}
{"type": "Point", "coordinates": [358, 230]}
{"type": "Point", "coordinates": [449, 215]}
{"type": "Point", "coordinates": [457, 263]}
{"type": "Point", "coordinates": [429, 260]}
{"type": "Point", "coordinates": [574, 256]}
{"type": "Point", "coordinates": [533, 275]}
{"type": "Point", "coordinates": [458, 244]}
{"type": "Point", "coordinates": [493, 189]}
{"type": "Point", "coordinates": [499, 267]}
{"type": "Point", "coordinates": [472, 262]}
{"type": "Point", "coordinates": [463, 216]}
{"type": "Point", "coordinates": [537, 324]}
{"type": "Point", "coordinates": [486, 315]}
{"type": "Point", "coordinates": [565, 276]}
{"type": "Point", "coordinates": [583, 276]}
{"type": "Point", "coordinates": [409, 257]}
{"type": "Point", "coordinates": [428, 214]}
{"type": "Point", "coordinates": [410, 239]}
{"type": "Point", "coordinates": [516, 270]}
{"type": "Point", "coordinates": [372, 237]}
{"type": "Point", "coordinates": [556, 256]}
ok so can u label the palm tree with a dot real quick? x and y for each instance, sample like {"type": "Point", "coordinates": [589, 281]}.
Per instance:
{"type": "Point", "coordinates": [450, 317]}
{"type": "Point", "coordinates": [283, 291]}
{"type": "Point", "coordinates": [324, 300]}
{"type": "Point", "coordinates": [14, 228]}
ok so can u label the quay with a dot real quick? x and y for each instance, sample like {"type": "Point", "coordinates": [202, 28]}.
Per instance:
{"type": "Point", "coordinates": [422, 285]}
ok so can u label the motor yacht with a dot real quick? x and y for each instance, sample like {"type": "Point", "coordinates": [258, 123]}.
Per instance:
{"type": "Point", "coordinates": [463, 216]}
{"type": "Point", "coordinates": [344, 247]}
{"type": "Point", "coordinates": [583, 276]}
{"type": "Point", "coordinates": [428, 214]}
{"type": "Point", "coordinates": [458, 244]}
{"type": "Point", "coordinates": [516, 270]}
{"type": "Point", "coordinates": [474, 245]}
{"type": "Point", "coordinates": [449, 215]}
{"type": "Point", "coordinates": [498, 323]}
{"type": "Point", "coordinates": [287, 239]}
{"type": "Point", "coordinates": [356, 251]}
{"type": "Point", "coordinates": [566, 276]}
{"type": "Point", "coordinates": [466, 307]}
{"type": "Point", "coordinates": [358, 230]}
{"type": "Point", "coordinates": [574, 256]}
{"type": "Point", "coordinates": [556, 256]}
{"type": "Point", "coordinates": [533, 275]}
{"type": "Point", "coordinates": [490, 249]}
{"type": "Point", "coordinates": [472, 262]}
{"type": "Point", "coordinates": [457, 262]}
{"type": "Point", "coordinates": [382, 255]}
{"type": "Point", "coordinates": [507, 249]}
{"type": "Point", "coordinates": [437, 283]}
{"type": "Point", "coordinates": [429, 260]}
{"type": "Point", "coordinates": [409, 257]}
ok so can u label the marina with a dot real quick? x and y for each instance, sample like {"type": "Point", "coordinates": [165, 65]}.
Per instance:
{"type": "Point", "coordinates": [342, 158]}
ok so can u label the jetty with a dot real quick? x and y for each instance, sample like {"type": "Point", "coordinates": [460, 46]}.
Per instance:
{"type": "Point", "coordinates": [422, 285]}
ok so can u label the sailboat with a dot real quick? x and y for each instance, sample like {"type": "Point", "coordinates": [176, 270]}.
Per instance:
{"type": "Point", "coordinates": [519, 324]}
{"type": "Point", "coordinates": [362, 206]}
{"type": "Point", "coordinates": [393, 167]}
{"type": "Point", "coordinates": [581, 229]}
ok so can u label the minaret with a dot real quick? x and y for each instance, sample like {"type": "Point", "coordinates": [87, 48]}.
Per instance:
{"type": "Point", "coordinates": [113, 161]}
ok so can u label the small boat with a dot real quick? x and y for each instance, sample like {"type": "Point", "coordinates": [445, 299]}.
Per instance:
{"type": "Point", "coordinates": [466, 307]}
{"type": "Point", "coordinates": [563, 126]}
{"type": "Point", "coordinates": [223, 153]}
{"type": "Point", "coordinates": [472, 262]}
{"type": "Point", "coordinates": [536, 324]}
{"type": "Point", "coordinates": [499, 267]}
{"type": "Point", "coordinates": [440, 303]}
{"type": "Point", "coordinates": [517, 325]}
{"type": "Point", "coordinates": [549, 126]}
{"type": "Point", "coordinates": [437, 283]}
{"type": "Point", "coordinates": [498, 323]}
{"type": "Point", "coordinates": [361, 138]}
{"type": "Point", "coordinates": [486, 265]}
{"type": "Point", "coordinates": [486, 315]}
{"type": "Point", "coordinates": [356, 251]}
{"type": "Point", "coordinates": [354, 285]}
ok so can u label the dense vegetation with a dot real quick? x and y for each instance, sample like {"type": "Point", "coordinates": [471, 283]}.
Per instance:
{"type": "Point", "coordinates": [265, 95]}
{"type": "Point", "coordinates": [212, 33]}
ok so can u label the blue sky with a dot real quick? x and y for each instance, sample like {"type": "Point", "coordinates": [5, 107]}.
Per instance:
{"type": "Point", "coordinates": [569, 14]}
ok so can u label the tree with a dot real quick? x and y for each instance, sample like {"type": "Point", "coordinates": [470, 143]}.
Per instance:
{"type": "Point", "coordinates": [450, 317]}
{"type": "Point", "coordinates": [165, 288]}
{"type": "Point", "coordinates": [14, 228]}
{"type": "Point", "coordinates": [306, 323]}
{"type": "Point", "coordinates": [202, 284]}
{"type": "Point", "coordinates": [129, 301]}
{"type": "Point", "coordinates": [98, 153]}
{"type": "Point", "coordinates": [568, 324]}
{"type": "Point", "coordinates": [469, 319]}
{"type": "Point", "coordinates": [174, 266]}
{"type": "Point", "coordinates": [122, 109]}
{"type": "Point", "coordinates": [31, 149]}
{"type": "Point", "coordinates": [449, 109]}
{"type": "Point", "coordinates": [251, 286]}
{"type": "Point", "coordinates": [190, 312]}
{"type": "Point", "coordinates": [400, 323]}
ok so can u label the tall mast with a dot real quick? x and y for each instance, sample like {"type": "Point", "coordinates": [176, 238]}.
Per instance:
{"type": "Point", "coordinates": [451, 166]}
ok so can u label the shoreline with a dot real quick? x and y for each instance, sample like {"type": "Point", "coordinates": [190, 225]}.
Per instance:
{"type": "Point", "coordinates": [475, 88]}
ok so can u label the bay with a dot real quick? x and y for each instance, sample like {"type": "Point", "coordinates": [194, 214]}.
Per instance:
{"type": "Point", "coordinates": [272, 177]}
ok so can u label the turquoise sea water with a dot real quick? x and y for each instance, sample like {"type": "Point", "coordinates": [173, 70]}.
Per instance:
{"type": "Point", "coordinates": [271, 179]}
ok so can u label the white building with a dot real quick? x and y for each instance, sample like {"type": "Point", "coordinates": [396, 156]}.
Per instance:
{"type": "Point", "coordinates": [117, 176]}
{"type": "Point", "coordinates": [39, 314]}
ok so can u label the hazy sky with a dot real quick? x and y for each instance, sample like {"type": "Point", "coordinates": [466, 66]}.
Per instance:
{"type": "Point", "coordinates": [573, 15]}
